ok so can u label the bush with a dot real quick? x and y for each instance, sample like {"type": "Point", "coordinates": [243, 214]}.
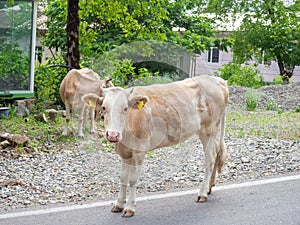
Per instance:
{"type": "Point", "coordinates": [14, 68]}
{"type": "Point", "coordinates": [47, 81]}
{"type": "Point", "coordinates": [278, 80]}
{"type": "Point", "coordinates": [246, 75]}
{"type": "Point", "coordinates": [252, 98]}
{"type": "Point", "coordinates": [148, 80]}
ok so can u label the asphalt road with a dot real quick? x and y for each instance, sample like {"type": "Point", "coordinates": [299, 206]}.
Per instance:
{"type": "Point", "coordinates": [271, 201]}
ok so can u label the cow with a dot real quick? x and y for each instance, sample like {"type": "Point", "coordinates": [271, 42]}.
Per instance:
{"type": "Point", "coordinates": [75, 84]}
{"type": "Point", "coordinates": [141, 119]}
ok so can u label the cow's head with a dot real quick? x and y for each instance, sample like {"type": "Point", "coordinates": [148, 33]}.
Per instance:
{"type": "Point", "coordinates": [116, 106]}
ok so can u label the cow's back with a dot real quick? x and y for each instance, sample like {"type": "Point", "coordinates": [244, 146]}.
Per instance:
{"type": "Point", "coordinates": [178, 110]}
{"type": "Point", "coordinates": [77, 83]}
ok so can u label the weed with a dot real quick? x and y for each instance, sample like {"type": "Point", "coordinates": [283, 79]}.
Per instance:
{"type": "Point", "coordinates": [252, 98]}
{"type": "Point", "coordinates": [150, 155]}
{"type": "Point", "coordinates": [271, 104]}
{"type": "Point", "coordinates": [263, 123]}
{"type": "Point", "coordinates": [279, 110]}
{"type": "Point", "coordinates": [297, 108]}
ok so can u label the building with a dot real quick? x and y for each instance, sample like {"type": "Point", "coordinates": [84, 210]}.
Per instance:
{"type": "Point", "coordinates": [210, 61]}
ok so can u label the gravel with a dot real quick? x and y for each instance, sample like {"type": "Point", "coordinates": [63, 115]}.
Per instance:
{"type": "Point", "coordinates": [84, 171]}
{"type": "Point", "coordinates": [287, 97]}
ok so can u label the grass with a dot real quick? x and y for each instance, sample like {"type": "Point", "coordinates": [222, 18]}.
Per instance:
{"type": "Point", "coordinates": [252, 98]}
{"type": "Point", "coordinates": [285, 125]}
{"type": "Point", "coordinates": [43, 136]}
{"type": "Point", "coordinates": [48, 137]}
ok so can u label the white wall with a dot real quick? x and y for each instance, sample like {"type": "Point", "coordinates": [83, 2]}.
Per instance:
{"type": "Point", "coordinates": [202, 66]}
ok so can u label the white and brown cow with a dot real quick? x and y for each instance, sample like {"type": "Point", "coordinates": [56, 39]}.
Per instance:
{"type": "Point", "coordinates": [141, 119]}
{"type": "Point", "coordinates": [76, 84]}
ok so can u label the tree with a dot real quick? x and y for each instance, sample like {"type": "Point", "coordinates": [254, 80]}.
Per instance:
{"type": "Point", "coordinates": [107, 24]}
{"type": "Point", "coordinates": [270, 30]}
{"type": "Point", "coordinates": [73, 56]}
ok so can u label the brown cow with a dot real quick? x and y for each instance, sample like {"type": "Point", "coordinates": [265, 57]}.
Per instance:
{"type": "Point", "coordinates": [141, 119]}
{"type": "Point", "coordinates": [76, 84]}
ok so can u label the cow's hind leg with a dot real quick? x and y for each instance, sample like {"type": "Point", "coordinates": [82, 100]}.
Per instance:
{"type": "Point", "coordinates": [66, 129]}
{"type": "Point", "coordinates": [213, 178]}
{"type": "Point", "coordinates": [221, 154]}
{"type": "Point", "coordinates": [208, 140]}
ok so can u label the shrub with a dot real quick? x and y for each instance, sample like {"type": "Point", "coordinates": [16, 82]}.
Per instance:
{"type": "Point", "coordinates": [47, 81]}
{"type": "Point", "coordinates": [247, 75]}
{"type": "Point", "coordinates": [278, 80]}
{"type": "Point", "coordinates": [14, 68]}
{"type": "Point", "coordinates": [252, 98]}
{"type": "Point", "coordinates": [154, 79]}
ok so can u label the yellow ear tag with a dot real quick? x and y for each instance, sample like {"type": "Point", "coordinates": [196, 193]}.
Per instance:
{"type": "Point", "coordinates": [140, 104]}
{"type": "Point", "coordinates": [92, 103]}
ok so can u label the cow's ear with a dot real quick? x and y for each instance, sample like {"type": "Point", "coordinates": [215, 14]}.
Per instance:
{"type": "Point", "coordinates": [107, 83]}
{"type": "Point", "coordinates": [138, 102]}
{"type": "Point", "coordinates": [92, 100]}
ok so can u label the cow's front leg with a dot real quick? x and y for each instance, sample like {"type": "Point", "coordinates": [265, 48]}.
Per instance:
{"type": "Point", "coordinates": [119, 205]}
{"type": "Point", "coordinates": [92, 114]}
{"type": "Point", "coordinates": [135, 166]}
{"type": "Point", "coordinates": [81, 121]}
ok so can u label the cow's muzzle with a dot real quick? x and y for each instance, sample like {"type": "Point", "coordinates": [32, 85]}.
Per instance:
{"type": "Point", "coordinates": [112, 136]}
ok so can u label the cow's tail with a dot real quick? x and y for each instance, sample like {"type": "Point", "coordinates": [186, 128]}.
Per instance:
{"type": "Point", "coordinates": [222, 154]}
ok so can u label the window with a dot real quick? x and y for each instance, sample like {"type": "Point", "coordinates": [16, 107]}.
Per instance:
{"type": "Point", "coordinates": [213, 55]}
{"type": "Point", "coordinates": [17, 38]}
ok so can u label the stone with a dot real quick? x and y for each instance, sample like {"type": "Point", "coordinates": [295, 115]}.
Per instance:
{"type": "Point", "coordinates": [245, 160]}
{"type": "Point", "coordinates": [52, 114]}
{"type": "Point", "coordinates": [16, 140]}
{"type": "Point", "coordinates": [4, 144]}
{"type": "Point", "coordinates": [41, 117]}
{"type": "Point", "coordinates": [21, 108]}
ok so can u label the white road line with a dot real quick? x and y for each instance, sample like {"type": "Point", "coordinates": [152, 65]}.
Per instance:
{"type": "Point", "coordinates": [147, 198]}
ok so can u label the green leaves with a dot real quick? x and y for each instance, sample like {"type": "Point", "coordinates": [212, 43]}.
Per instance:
{"type": "Point", "coordinates": [56, 36]}
{"type": "Point", "coordinates": [247, 76]}
{"type": "Point", "coordinates": [272, 31]}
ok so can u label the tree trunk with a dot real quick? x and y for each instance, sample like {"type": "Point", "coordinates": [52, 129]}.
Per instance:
{"type": "Point", "coordinates": [73, 56]}
{"type": "Point", "coordinates": [286, 73]}
{"type": "Point", "coordinates": [280, 65]}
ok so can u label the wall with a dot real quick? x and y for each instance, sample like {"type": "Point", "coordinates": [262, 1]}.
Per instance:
{"type": "Point", "coordinates": [202, 66]}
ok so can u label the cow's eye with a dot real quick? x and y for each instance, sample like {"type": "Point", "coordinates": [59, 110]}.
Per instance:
{"type": "Point", "coordinates": [125, 109]}
{"type": "Point", "coordinates": [103, 108]}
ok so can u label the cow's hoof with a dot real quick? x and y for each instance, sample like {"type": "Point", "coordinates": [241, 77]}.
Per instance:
{"type": "Point", "coordinates": [201, 199]}
{"type": "Point", "coordinates": [128, 213]}
{"type": "Point", "coordinates": [210, 189]}
{"type": "Point", "coordinates": [116, 209]}
{"type": "Point", "coordinates": [80, 136]}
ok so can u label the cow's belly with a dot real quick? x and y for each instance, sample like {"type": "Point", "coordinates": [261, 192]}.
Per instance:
{"type": "Point", "coordinates": [177, 133]}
